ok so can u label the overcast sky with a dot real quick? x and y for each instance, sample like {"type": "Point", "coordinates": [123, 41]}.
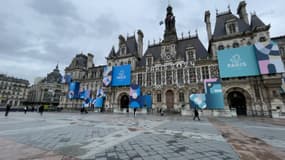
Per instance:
{"type": "Point", "coordinates": [38, 34]}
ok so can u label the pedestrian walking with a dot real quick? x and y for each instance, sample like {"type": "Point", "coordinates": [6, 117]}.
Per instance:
{"type": "Point", "coordinates": [8, 107]}
{"type": "Point", "coordinates": [135, 109]}
{"type": "Point", "coordinates": [41, 110]}
{"type": "Point", "coordinates": [161, 112]}
{"type": "Point", "coordinates": [25, 109]}
{"type": "Point", "coordinates": [196, 114]}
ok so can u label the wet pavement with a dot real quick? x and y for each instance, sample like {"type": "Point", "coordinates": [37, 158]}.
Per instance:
{"type": "Point", "coordinates": [57, 136]}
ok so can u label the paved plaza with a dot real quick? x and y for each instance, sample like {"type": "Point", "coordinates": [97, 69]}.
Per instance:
{"type": "Point", "coordinates": [71, 136]}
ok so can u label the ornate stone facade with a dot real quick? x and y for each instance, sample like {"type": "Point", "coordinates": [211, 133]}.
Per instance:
{"type": "Point", "coordinates": [174, 68]}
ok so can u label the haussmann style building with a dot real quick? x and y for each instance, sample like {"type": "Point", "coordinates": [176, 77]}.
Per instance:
{"type": "Point", "coordinates": [13, 90]}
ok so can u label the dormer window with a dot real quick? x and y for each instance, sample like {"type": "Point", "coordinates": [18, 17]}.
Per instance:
{"type": "Point", "coordinates": [123, 50]}
{"type": "Point", "coordinates": [191, 54]}
{"type": "Point", "coordinates": [149, 61]}
{"type": "Point", "coordinates": [231, 27]}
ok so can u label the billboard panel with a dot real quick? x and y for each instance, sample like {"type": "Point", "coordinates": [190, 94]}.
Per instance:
{"type": "Point", "coordinates": [268, 58]}
{"type": "Point", "coordinates": [121, 75]}
{"type": "Point", "coordinates": [73, 91]}
{"type": "Point", "coordinates": [237, 62]}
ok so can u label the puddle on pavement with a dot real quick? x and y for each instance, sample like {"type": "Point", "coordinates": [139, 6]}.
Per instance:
{"type": "Point", "coordinates": [72, 150]}
{"type": "Point", "coordinates": [133, 129]}
{"type": "Point", "coordinates": [118, 135]}
{"type": "Point", "coordinates": [64, 140]}
{"type": "Point", "coordinates": [171, 141]}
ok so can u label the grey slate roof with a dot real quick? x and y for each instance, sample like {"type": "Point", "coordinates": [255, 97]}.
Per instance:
{"type": "Point", "coordinates": [4, 77]}
{"type": "Point", "coordinates": [221, 19]}
{"type": "Point", "coordinates": [201, 52]}
{"type": "Point", "coordinates": [131, 44]}
{"type": "Point", "coordinates": [80, 61]}
{"type": "Point", "coordinates": [181, 45]}
{"type": "Point", "coordinates": [256, 22]}
{"type": "Point", "coordinates": [112, 52]}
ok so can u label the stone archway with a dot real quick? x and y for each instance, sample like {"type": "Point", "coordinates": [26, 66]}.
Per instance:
{"type": "Point", "coordinates": [239, 93]}
{"type": "Point", "coordinates": [169, 99]}
{"type": "Point", "coordinates": [124, 101]}
{"type": "Point", "coordinates": [237, 101]}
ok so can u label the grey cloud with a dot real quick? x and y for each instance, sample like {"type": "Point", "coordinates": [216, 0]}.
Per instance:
{"type": "Point", "coordinates": [105, 25]}
{"type": "Point", "coordinates": [62, 8]}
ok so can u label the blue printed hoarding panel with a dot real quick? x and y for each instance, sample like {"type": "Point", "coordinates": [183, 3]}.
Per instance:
{"type": "Point", "coordinates": [121, 75]}
{"type": "Point", "coordinates": [73, 91]}
{"type": "Point", "coordinates": [214, 95]}
{"type": "Point", "coordinates": [237, 62]}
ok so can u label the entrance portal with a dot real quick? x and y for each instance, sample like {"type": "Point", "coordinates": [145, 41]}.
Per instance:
{"type": "Point", "coordinates": [170, 100]}
{"type": "Point", "coordinates": [124, 102]}
{"type": "Point", "coordinates": [237, 100]}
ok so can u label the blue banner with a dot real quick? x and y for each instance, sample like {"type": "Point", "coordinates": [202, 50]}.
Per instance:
{"type": "Point", "coordinates": [99, 102]}
{"type": "Point", "coordinates": [73, 91]}
{"type": "Point", "coordinates": [121, 75]}
{"type": "Point", "coordinates": [237, 62]}
{"type": "Point", "coordinates": [135, 96]}
{"type": "Point", "coordinates": [147, 101]}
{"type": "Point", "coordinates": [107, 76]}
{"type": "Point", "coordinates": [67, 79]}
{"type": "Point", "coordinates": [100, 92]}
{"type": "Point", "coordinates": [85, 94]}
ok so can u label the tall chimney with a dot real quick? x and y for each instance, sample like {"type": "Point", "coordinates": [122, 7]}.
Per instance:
{"type": "Point", "coordinates": [208, 24]}
{"type": "Point", "coordinates": [140, 43]}
{"type": "Point", "coordinates": [90, 63]}
{"type": "Point", "coordinates": [241, 11]}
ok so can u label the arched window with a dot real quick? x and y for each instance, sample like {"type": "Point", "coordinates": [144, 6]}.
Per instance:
{"type": "Point", "coordinates": [235, 45]}
{"type": "Point", "coordinates": [181, 97]}
{"type": "Point", "coordinates": [221, 47]}
{"type": "Point", "coordinates": [158, 97]}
